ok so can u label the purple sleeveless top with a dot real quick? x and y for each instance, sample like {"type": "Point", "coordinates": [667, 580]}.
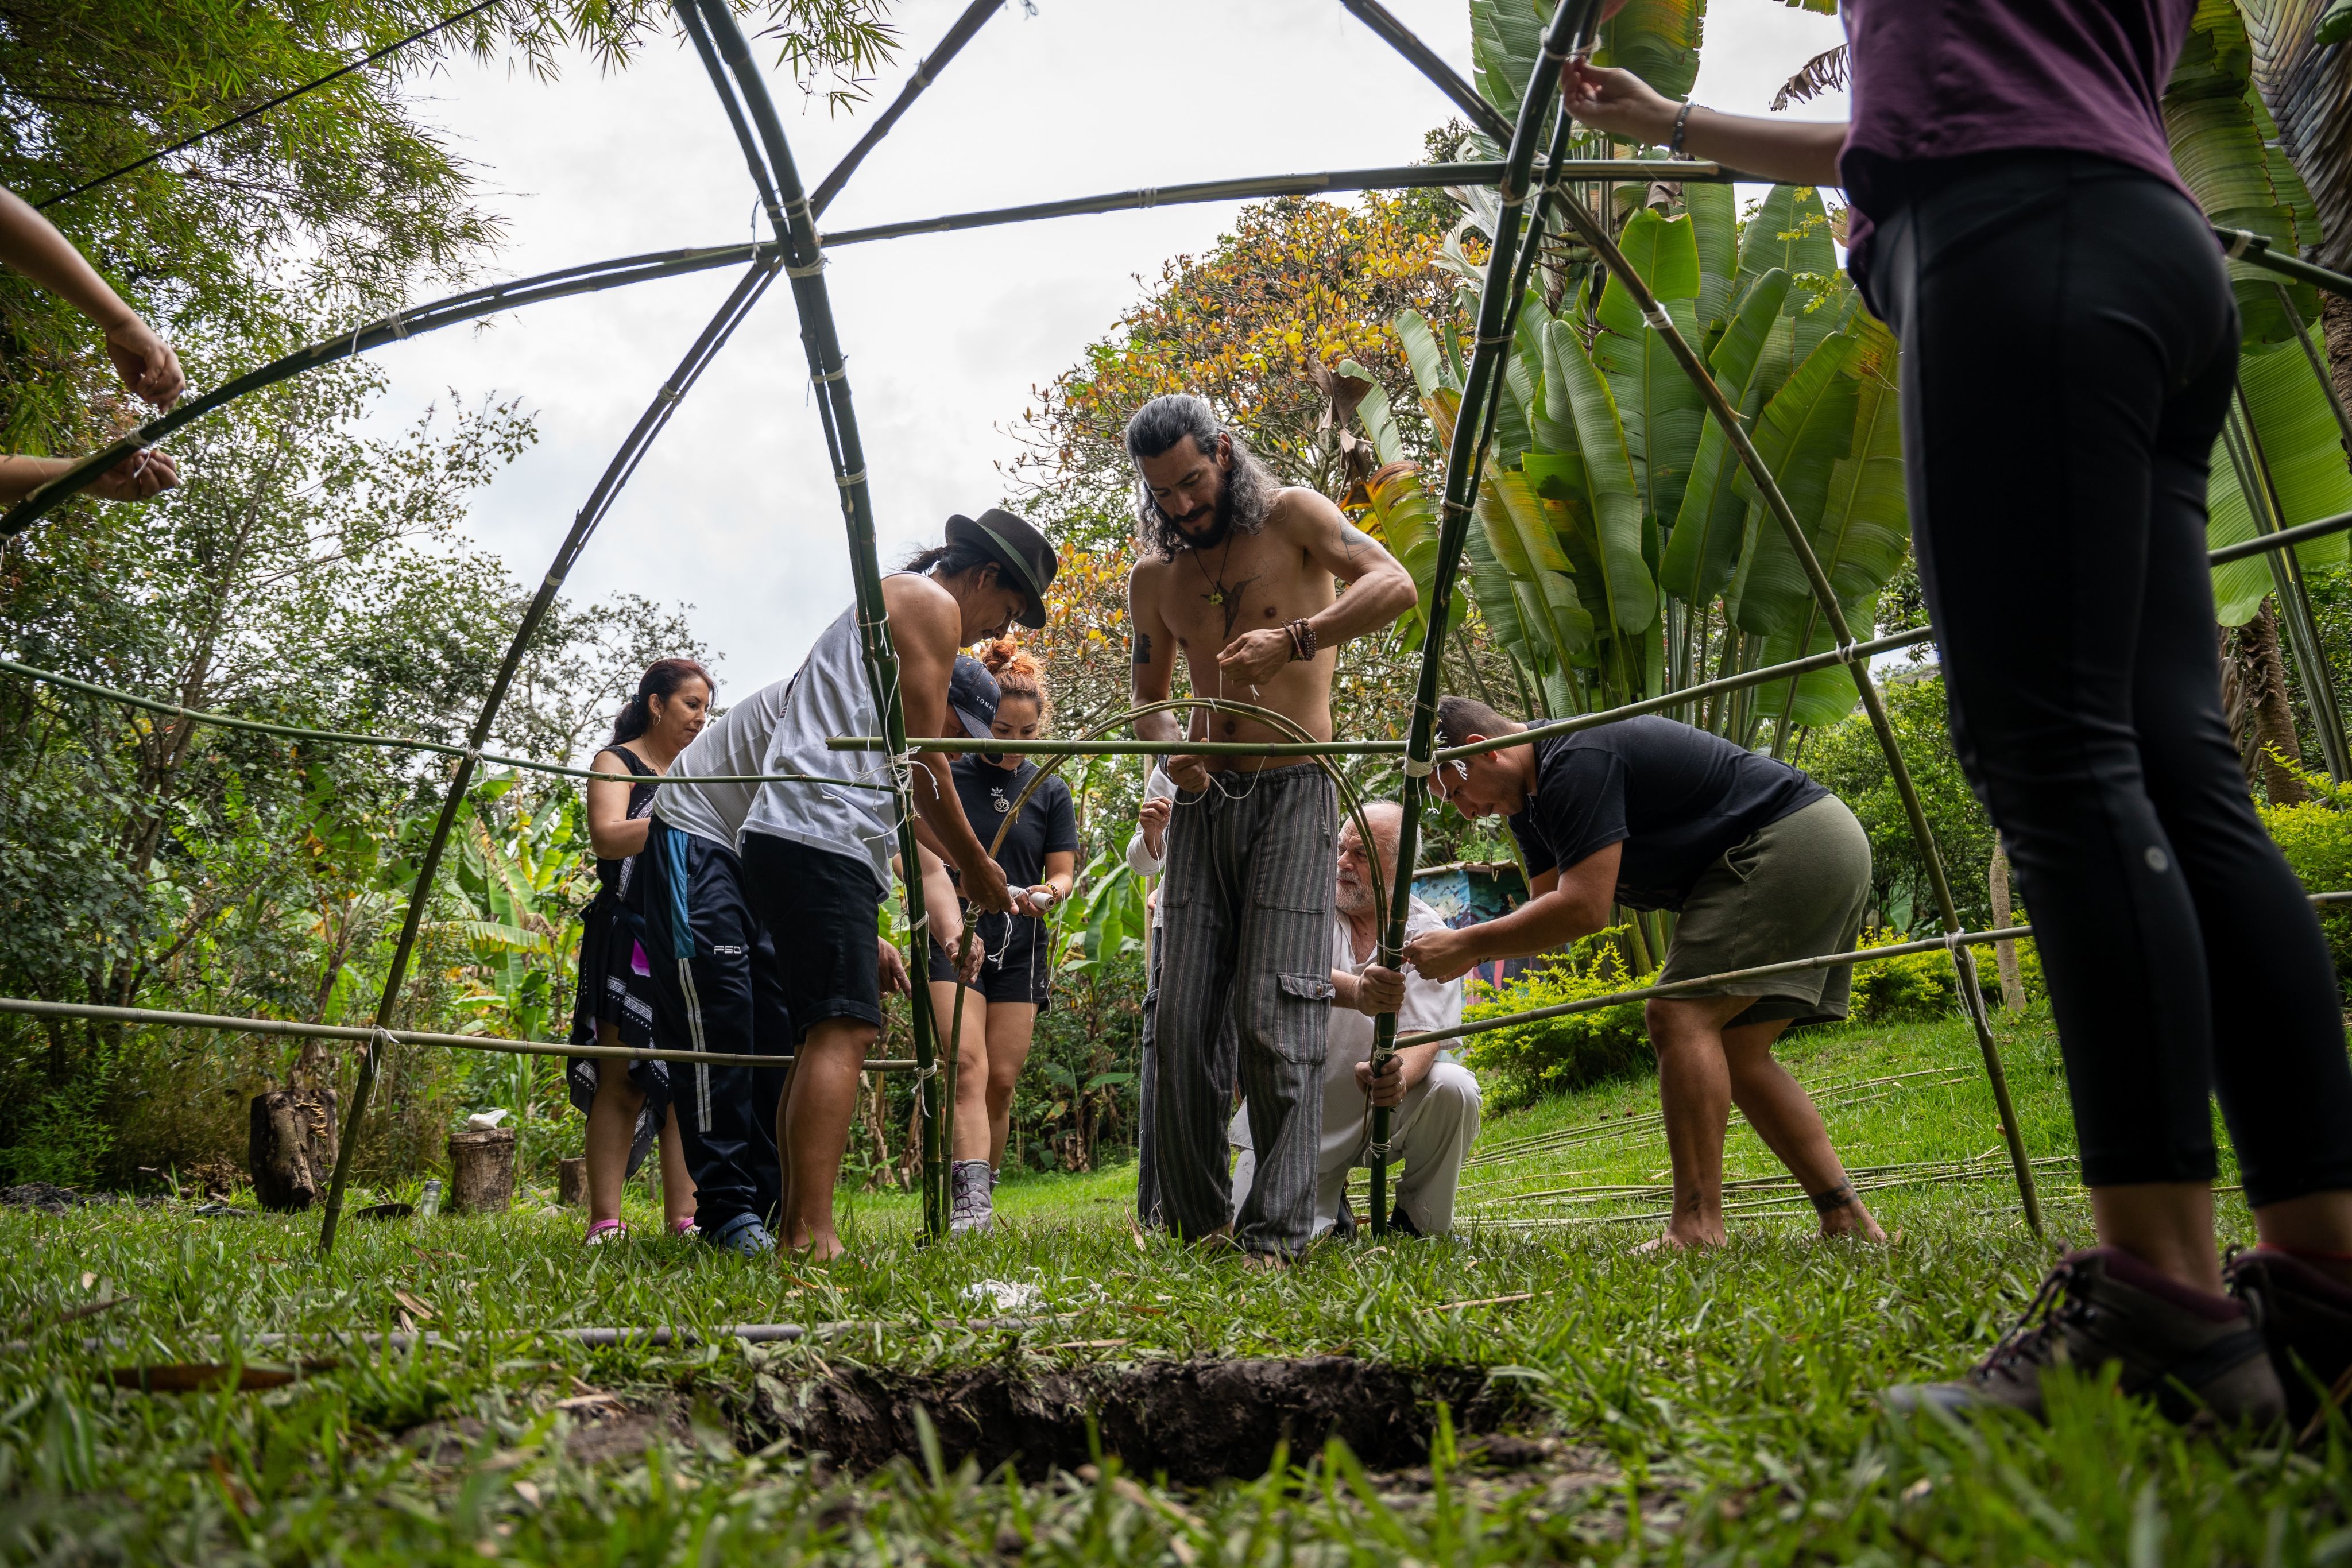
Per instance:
{"type": "Point", "coordinates": [1934, 80]}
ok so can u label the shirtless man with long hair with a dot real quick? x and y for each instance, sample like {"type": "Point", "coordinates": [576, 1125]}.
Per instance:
{"type": "Point", "coordinates": [1240, 575]}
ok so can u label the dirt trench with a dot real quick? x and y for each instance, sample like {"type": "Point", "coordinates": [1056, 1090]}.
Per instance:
{"type": "Point", "coordinates": [1195, 1421]}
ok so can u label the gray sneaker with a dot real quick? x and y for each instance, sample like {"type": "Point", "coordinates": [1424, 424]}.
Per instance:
{"type": "Point", "coordinates": [745, 1234]}
{"type": "Point", "coordinates": [2184, 1350]}
{"type": "Point", "coordinates": [971, 1208]}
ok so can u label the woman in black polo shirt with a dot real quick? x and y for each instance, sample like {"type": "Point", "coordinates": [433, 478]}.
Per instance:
{"type": "Point", "coordinates": [1002, 1001]}
{"type": "Point", "coordinates": [1762, 864]}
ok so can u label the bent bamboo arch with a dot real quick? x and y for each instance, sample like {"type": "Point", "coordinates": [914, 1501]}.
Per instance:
{"type": "Point", "coordinates": [797, 251]}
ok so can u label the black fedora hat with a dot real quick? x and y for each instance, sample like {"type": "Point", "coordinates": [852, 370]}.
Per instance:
{"type": "Point", "coordinates": [1028, 560]}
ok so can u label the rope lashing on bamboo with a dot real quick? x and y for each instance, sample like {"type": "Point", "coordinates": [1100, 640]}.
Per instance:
{"type": "Point", "coordinates": [2254, 249]}
{"type": "Point", "coordinates": [229, 1023]}
{"type": "Point", "coordinates": [1951, 941]}
{"type": "Point", "coordinates": [405, 743]}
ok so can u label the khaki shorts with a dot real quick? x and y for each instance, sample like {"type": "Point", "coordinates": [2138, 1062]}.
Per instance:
{"type": "Point", "coordinates": [1796, 888]}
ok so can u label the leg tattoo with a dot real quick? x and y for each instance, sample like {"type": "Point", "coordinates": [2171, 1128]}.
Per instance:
{"type": "Point", "coordinates": [1842, 1196]}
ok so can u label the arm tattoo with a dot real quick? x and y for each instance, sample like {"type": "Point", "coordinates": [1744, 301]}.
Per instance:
{"type": "Point", "coordinates": [1143, 647]}
{"type": "Point", "coordinates": [1352, 537]}
{"type": "Point", "coordinates": [1842, 1196]}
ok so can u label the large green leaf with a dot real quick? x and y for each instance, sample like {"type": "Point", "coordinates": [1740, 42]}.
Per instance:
{"type": "Point", "coordinates": [1790, 230]}
{"type": "Point", "coordinates": [1865, 522]}
{"type": "Point", "coordinates": [1615, 518]}
{"type": "Point", "coordinates": [1715, 224]}
{"type": "Point", "coordinates": [1430, 372]}
{"type": "Point", "coordinates": [2227, 149]}
{"type": "Point", "coordinates": [1504, 37]}
{"type": "Point", "coordinates": [1802, 433]}
{"type": "Point", "coordinates": [1660, 408]}
{"type": "Point", "coordinates": [1491, 588]}
{"type": "Point", "coordinates": [1704, 547]}
{"type": "Point", "coordinates": [2304, 451]}
{"type": "Point", "coordinates": [1373, 413]}
{"type": "Point", "coordinates": [1824, 697]}
{"type": "Point", "coordinates": [1408, 524]}
{"type": "Point", "coordinates": [1657, 40]}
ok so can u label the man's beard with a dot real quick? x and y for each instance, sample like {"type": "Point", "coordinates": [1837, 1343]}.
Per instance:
{"type": "Point", "coordinates": [1352, 899]}
{"type": "Point", "coordinates": [1220, 521]}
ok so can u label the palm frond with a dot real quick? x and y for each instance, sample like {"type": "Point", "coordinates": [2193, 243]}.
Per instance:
{"type": "Point", "coordinates": [1826, 73]}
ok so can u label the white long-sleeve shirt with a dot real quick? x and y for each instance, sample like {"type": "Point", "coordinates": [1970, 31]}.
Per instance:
{"type": "Point", "coordinates": [1140, 858]}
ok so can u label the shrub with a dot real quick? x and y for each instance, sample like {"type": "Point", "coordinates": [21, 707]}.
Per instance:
{"type": "Point", "coordinates": [1915, 988]}
{"type": "Point", "coordinates": [2316, 835]}
{"type": "Point", "coordinates": [1555, 1055]}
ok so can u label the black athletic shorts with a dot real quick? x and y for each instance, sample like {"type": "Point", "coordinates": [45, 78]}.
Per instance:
{"type": "Point", "coordinates": [1019, 965]}
{"type": "Point", "coordinates": [823, 910]}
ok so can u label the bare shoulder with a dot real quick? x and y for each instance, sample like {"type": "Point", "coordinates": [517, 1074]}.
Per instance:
{"type": "Point", "coordinates": [1144, 578]}
{"type": "Point", "coordinates": [916, 600]}
{"type": "Point", "coordinates": [1303, 515]}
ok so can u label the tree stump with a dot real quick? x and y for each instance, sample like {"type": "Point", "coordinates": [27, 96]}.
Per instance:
{"type": "Point", "coordinates": [571, 1183]}
{"type": "Point", "coordinates": [290, 1148]}
{"type": "Point", "coordinates": [481, 1170]}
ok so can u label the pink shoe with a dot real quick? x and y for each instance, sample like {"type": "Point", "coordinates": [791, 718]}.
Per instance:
{"type": "Point", "coordinates": [684, 1227]}
{"type": "Point", "coordinates": [605, 1231]}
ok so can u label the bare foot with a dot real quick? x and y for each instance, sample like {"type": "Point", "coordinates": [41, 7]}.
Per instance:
{"type": "Point", "coordinates": [815, 1249]}
{"type": "Point", "coordinates": [1672, 1241]}
{"type": "Point", "coordinates": [1265, 1263]}
{"type": "Point", "coordinates": [1855, 1224]}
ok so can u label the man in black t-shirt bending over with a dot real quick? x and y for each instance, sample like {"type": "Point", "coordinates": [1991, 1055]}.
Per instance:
{"type": "Point", "coordinates": [1763, 866]}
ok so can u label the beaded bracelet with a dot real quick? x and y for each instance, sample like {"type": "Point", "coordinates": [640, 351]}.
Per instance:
{"type": "Point", "coordinates": [1682, 124]}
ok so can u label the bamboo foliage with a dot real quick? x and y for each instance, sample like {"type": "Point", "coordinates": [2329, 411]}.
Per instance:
{"type": "Point", "coordinates": [1618, 553]}
{"type": "Point", "coordinates": [2297, 427]}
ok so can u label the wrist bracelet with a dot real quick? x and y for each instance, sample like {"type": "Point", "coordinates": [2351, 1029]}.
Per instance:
{"type": "Point", "coordinates": [1682, 125]}
{"type": "Point", "coordinates": [1302, 641]}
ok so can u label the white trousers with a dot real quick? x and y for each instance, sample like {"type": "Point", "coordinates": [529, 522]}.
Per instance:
{"type": "Point", "coordinates": [1430, 1138]}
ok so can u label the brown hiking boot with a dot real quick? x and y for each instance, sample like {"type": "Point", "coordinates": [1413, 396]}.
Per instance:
{"type": "Point", "coordinates": [2184, 1349]}
{"type": "Point", "coordinates": [2305, 1319]}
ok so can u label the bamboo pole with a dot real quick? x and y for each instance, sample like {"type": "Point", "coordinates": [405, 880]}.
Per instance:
{"type": "Point", "coordinates": [1480, 385]}
{"type": "Point", "coordinates": [2262, 503]}
{"type": "Point", "coordinates": [738, 304]}
{"type": "Point", "coordinates": [829, 383]}
{"type": "Point", "coordinates": [401, 743]}
{"type": "Point", "coordinates": [1953, 942]}
{"type": "Point", "coordinates": [1257, 187]}
{"type": "Point", "coordinates": [471, 305]}
{"type": "Point", "coordinates": [157, 1018]}
{"type": "Point", "coordinates": [927, 71]}
{"type": "Point", "coordinates": [2246, 246]}
{"type": "Point", "coordinates": [1592, 232]}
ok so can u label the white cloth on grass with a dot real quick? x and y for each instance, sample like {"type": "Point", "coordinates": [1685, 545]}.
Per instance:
{"type": "Point", "coordinates": [1430, 1134]}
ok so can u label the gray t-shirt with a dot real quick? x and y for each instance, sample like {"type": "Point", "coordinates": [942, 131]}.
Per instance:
{"type": "Point", "coordinates": [831, 695]}
{"type": "Point", "coordinates": [734, 742]}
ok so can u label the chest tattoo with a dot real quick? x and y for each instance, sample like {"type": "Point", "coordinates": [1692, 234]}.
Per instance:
{"type": "Point", "coordinates": [1229, 600]}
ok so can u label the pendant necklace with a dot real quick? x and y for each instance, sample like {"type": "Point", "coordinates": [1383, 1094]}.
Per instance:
{"type": "Point", "coordinates": [1217, 590]}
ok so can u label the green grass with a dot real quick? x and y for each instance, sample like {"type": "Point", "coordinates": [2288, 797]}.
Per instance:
{"type": "Point", "coordinates": [1711, 1409]}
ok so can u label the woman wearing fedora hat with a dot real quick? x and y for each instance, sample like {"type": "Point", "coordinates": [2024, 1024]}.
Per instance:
{"type": "Point", "coordinates": [812, 863]}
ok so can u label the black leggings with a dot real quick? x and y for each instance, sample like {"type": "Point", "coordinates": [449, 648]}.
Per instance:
{"type": "Point", "coordinates": [2069, 345]}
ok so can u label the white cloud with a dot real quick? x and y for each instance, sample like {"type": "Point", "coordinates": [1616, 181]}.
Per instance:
{"type": "Point", "coordinates": [734, 509]}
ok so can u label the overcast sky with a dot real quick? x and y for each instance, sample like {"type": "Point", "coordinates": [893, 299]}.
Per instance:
{"type": "Point", "coordinates": [733, 511]}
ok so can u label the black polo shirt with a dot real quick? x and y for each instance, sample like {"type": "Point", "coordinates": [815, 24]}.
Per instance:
{"type": "Point", "coordinates": [1675, 797]}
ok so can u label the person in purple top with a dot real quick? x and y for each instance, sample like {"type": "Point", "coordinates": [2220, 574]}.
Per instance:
{"type": "Point", "coordinates": [2068, 343]}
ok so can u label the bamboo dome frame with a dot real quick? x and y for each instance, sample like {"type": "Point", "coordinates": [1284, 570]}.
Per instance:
{"type": "Point", "coordinates": [797, 250]}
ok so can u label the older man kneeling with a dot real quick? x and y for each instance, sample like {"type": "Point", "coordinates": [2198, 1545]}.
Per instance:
{"type": "Point", "coordinates": [1435, 1098]}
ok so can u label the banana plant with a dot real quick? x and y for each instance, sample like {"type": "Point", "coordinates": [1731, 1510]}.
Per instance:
{"type": "Point", "coordinates": [2226, 148]}
{"type": "Point", "coordinates": [1621, 550]}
